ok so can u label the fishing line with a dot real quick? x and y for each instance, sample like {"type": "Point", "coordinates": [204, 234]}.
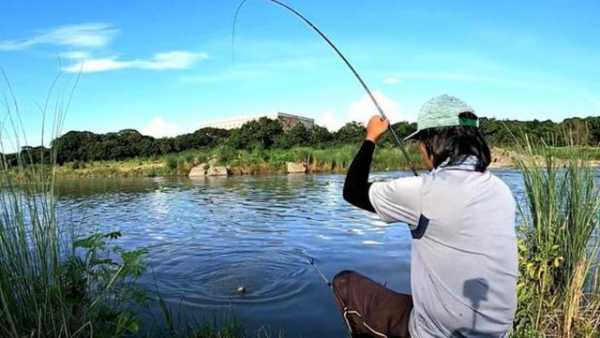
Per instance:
{"type": "Point", "coordinates": [339, 53]}
{"type": "Point", "coordinates": [311, 261]}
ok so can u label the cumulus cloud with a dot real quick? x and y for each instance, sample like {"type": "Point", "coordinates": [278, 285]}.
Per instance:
{"type": "Point", "coordinates": [159, 127]}
{"type": "Point", "coordinates": [361, 110]}
{"type": "Point", "coordinates": [159, 61]}
{"type": "Point", "coordinates": [88, 35]}
{"type": "Point", "coordinates": [330, 120]}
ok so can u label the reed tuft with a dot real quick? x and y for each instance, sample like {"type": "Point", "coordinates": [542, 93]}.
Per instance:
{"type": "Point", "coordinates": [558, 286]}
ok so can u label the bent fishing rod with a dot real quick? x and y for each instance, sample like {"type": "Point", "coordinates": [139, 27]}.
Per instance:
{"type": "Point", "coordinates": [348, 64]}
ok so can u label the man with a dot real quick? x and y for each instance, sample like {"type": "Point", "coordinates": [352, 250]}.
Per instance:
{"type": "Point", "coordinates": [463, 247]}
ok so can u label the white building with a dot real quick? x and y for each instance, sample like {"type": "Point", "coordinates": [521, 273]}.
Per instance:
{"type": "Point", "coordinates": [287, 120]}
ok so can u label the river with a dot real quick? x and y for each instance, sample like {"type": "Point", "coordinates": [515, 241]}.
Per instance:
{"type": "Point", "coordinates": [208, 237]}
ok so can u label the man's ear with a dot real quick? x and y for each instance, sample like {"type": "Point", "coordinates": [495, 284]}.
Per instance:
{"type": "Point", "coordinates": [426, 154]}
{"type": "Point", "coordinates": [429, 150]}
{"type": "Point", "coordinates": [426, 149]}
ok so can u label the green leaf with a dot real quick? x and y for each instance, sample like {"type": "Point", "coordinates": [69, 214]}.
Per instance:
{"type": "Point", "coordinates": [92, 242]}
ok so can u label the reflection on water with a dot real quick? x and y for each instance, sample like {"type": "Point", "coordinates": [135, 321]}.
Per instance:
{"type": "Point", "coordinates": [208, 237]}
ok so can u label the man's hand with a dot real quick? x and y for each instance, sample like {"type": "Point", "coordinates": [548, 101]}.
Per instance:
{"type": "Point", "coordinates": [376, 127]}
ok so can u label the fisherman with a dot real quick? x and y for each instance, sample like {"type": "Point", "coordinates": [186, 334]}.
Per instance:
{"type": "Point", "coordinates": [463, 247]}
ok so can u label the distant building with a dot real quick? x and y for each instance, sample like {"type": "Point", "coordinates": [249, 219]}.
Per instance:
{"type": "Point", "coordinates": [287, 121]}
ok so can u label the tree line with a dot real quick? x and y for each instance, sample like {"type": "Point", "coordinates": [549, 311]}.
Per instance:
{"type": "Point", "coordinates": [267, 133]}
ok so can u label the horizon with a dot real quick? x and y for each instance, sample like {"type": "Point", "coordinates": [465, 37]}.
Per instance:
{"type": "Point", "coordinates": [316, 124]}
{"type": "Point", "coordinates": [164, 70]}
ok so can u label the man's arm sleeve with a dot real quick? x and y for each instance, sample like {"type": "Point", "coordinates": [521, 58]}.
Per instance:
{"type": "Point", "coordinates": [398, 200]}
{"type": "Point", "coordinates": [356, 186]}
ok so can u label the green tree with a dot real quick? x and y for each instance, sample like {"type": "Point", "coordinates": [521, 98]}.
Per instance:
{"type": "Point", "coordinates": [298, 135]}
{"type": "Point", "coordinates": [350, 133]}
{"type": "Point", "coordinates": [402, 129]}
{"type": "Point", "coordinates": [263, 132]}
{"type": "Point", "coordinates": [320, 136]}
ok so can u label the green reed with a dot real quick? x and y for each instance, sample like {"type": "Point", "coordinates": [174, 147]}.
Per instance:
{"type": "Point", "coordinates": [558, 288]}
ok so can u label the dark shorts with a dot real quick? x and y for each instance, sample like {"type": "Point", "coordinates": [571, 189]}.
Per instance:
{"type": "Point", "coordinates": [369, 308]}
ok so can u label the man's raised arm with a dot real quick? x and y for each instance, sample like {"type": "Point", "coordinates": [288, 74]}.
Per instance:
{"type": "Point", "coordinates": [356, 186]}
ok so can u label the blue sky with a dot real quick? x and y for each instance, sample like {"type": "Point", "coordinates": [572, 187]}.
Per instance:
{"type": "Point", "coordinates": [165, 67]}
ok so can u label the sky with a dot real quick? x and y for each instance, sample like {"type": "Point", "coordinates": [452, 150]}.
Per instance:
{"type": "Point", "coordinates": [165, 67]}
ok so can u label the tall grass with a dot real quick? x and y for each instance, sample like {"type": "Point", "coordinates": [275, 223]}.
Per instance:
{"type": "Point", "coordinates": [52, 283]}
{"type": "Point", "coordinates": [191, 326]}
{"type": "Point", "coordinates": [558, 289]}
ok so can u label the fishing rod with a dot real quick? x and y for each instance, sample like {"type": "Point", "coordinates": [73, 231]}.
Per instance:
{"type": "Point", "coordinates": [352, 69]}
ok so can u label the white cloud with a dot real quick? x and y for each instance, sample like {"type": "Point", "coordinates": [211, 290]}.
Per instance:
{"type": "Point", "coordinates": [361, 111]}
{"type": "Point", "coordinates": [95, 65]}
{"type": "Point", "coordinates": [80, 40]}
{"type": "Point", "coordinates": [88, 35]}
{"type": "Point", "coordinates": [391, 80]}
{"type": "Point", "coordinates": [160, 127]}
{"type": "Point", "coordinates": [160, 61]}
{"type": "Point", "coordinates": [364, 108]}
{"type": "Point", "coordinates": [330, 120]}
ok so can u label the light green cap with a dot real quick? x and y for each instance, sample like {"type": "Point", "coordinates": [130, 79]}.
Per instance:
{"type": "Point", "coordinates": [443, 111]}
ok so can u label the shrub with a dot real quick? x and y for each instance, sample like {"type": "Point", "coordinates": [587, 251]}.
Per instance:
{"type": "Point", "coordinates": [172, 162]}
{"type": "Point", "coordinates": [202, 158]}
{"type": "Point", "coordinates": [189, 158]}
{"type": "Point", "coordinates": [226, 154]}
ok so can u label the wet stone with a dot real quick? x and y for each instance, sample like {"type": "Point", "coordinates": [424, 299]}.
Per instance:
{"type": "Point", "coordinates": [296, 168]}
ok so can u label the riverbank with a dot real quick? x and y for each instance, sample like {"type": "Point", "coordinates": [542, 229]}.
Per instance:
{"type": "Point", "coordinates": [275, 161]}
{"type": "Point", "coordinates": [239, 162]}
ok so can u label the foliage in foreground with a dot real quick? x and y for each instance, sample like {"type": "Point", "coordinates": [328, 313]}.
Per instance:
{"type": "Point", "coordinates": [52, 284]}
{"type": "Point", "coordinates": [558, 288]}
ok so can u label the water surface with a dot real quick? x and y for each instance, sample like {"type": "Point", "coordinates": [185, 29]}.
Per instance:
{"type": "Point", "coordinates": [207, 237]}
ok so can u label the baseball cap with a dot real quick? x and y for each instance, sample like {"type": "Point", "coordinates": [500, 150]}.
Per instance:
{"type": "Point", "coordinates": [443, 111]}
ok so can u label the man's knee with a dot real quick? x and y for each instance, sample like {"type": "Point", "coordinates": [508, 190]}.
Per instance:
{"type": "Point", "coordinates": [342, 278]}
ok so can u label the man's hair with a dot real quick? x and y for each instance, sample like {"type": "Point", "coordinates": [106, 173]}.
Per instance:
{"type": "Point", "coordinates": [455, 144]}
